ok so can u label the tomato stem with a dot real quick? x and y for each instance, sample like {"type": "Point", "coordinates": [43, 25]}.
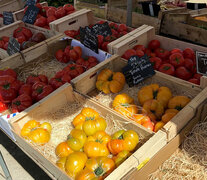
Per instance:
{"type": "Point", "coordinates": [178, 107]}
{"type": "Point", "coordinates": [99, 171]}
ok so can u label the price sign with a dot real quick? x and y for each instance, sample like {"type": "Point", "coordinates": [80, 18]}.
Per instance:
{"type": "Point", "coordinates": [137, 70]}
{"type": "Point", "coordinates": [31, 14]}
{"type": "Point", "coordinates": [89, 39]}
{"type": "Point", "coordinates": [30, 2]}
{"type": "Point", "coordinates": [102, 29]}
{"type": "Point", "coordinates": [8, 18]}
{"type": "Point", "coordinates": [13, 46]}
{"type": "Point", "coordinates": [201, 63]}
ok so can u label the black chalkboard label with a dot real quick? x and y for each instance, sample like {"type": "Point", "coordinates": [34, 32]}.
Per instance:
{"type": "Point", "coordinates": [31, 14]}
{"type": "Point", "coordinates": [195, 6]}
{"type": "Point", "coordinates": [13, 46]}
{"type": "Point", "coordinates": [8, 18]}
{"type": "Point", "coordinates": [89, 39]}
{"type": "Point", "coordinates": [138, 69]}
{"type": "Point", "coordinates": [201, 63]}
{"type": "Point", "coordinates": [102, 29]}
{"type": "Point", "coordinates": [30, 3]}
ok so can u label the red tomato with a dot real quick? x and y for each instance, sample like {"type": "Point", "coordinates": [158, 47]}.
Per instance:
{"type": "Point", "coordinates": [176, 59]}
{"type": "Point", "coordinates": [100, 40]}
{"type": "Point", "coordinates": [74, 70]}
{"type": "Point", "coordinates": [115, 33]}
{"type": "Point", "coordinates": [182, 73]}
{"type": "Point", "coordinates": [122, 33]}
{"type": "Point", "coordinates": [51, 19]}
{"type": "Point", "coordinates": [122, 27]}
{"type": "Point", "coordinates": [71, 33]}
{"type": "Point", "coordinates": [41, 22]}
{"type": "Point", "coordinates": [129, 53]}
{"type": "Point", "coordinates": [189, 53]}
{"type": "Point", "coordinates": [21, 103]}
{"type": "Point", "coordinates": [9, 72]}
{"type": "Point", "coordinates": [60, 12]}
{"type": "Point", "coordinates": [101, 22]}
{"type": "Point", "coordinates": [162, 54]}
{"type": "Point", "coordinates": [39, 6]}
{"type": "Point", "coordinates": [176, 50]}
{"type": "Point", "coordinates": [26, 89]}
{"type": "Point", "coordinates": [197, 76]}
{"type": "Point", "coordinates": [68, 7]}
{"type": "Point", "coordinates": [33, 79]}
{"type": "Point", "coordinates": [5, 38]}
{"type": "Point", "coordinates": [16, 85]}
{"type": "Point", "coordinates": [6, 46]}
{"type": "Point", "coordinates": [188, 63]}
{"type": "Point", "coordinates": [51, 12]}
{"type": "Point", "coordinates": [22, 31]}
{"type": "Point", "coordinates": [139, 47]}
{"type": "Point", "coordinates": [195, 81]}
{"type": "Point", "coordinates": [1, 44]}
{"type": "Point", "coordinates": [139, 53]}
{"type": "Point", "coordinates": [3, 107]}
{"type": "Point", "coordinates": [61, 56]}
{"type": "Point", "coordinates": [147, 52]}
{"type": "Point", "coordinates": [154, 44]}
{"type": "Point", "coordinates": [104, 46]}
{"type": "Point", "coordinates": [114, 26]}
{"type": "Point", "coordinates": [73, 53]}
{"type": "Point", "coordinates": [56, 82]}
{"type": "Point", "coordinates": [110, 38]}
{"type": "Point", "coordinates": [156, 62]}
{"type": "Point", "coordinates": [21, 39]}
{"type": "Point", "coordinates": [167, 69]}
{"type": "Point", "coordinates": [87, 62]}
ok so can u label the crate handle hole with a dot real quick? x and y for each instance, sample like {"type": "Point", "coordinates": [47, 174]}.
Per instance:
{"type": "Point", "coordinates": [133, 43]}
{"type": "Point", "coordinates": [73, 22]}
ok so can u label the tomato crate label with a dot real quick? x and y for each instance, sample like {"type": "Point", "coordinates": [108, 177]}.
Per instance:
{"type": "Point", "coordinates": [8, 18]}
{"type": "Point", "coordinates": [13, 46]}
{"type": "Point", "coordinates": [201, 63]}
{"type": "Point", "coordinates": [102, 29]}
{"type": "Point", "coordinates": [138, 69]}
{"type": "Point", "coordinates": [31, 14]}
{"type": "Point", "coordinates": [89, 39]}
{"type": "Point", "coordinates": [30, 3]}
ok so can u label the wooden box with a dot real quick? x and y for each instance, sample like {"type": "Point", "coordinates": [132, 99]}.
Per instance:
{"type": "Point", "coordinates": [145, 35]}
{"type": "Point", "coordinates": [11, 5]}
{"type": "Point", "coordinates": [9, 29]}
{"type": "Point", "coordinates": [65, 98]}
{"type": "Point", "coordinates": [177, 86]}
{"type": "Point", "coordinates": [83, 18]}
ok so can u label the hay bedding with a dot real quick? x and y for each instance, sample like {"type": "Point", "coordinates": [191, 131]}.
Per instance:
{"type": "Point", "coordinates": [189, 162]}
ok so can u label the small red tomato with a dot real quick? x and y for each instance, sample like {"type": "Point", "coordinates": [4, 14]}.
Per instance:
{"type": "Point", "coordinates": [26, 89]}
{"type": "Point", "coordinates": [139, 47]}
{"type": "Point", "coordinates": [71, 33]}
{"type": "Point", "coordinates": [182, 73]}
{"type": "Point", "coordinates": [113, 25]}
{"type": "Point", "coordinates": [51, 19]}
{"type": "Point", "coordinates": [122, 27]}
{"type": "Point", "coordinates": [177, 59]}
{"type": "Point", "coordinates": [60, 12]}
{"type": "Point", "coordinates": [104, 46]}
{"type": "Point", "coordinates": [154, 44]}
{"type": "Point", "coordinates": [3, 107]}
{"type": "Point", "coordinates": [188, 63]}
{"type": "Point", "coordinates": [61, 56]}
{"type": "Point", "coordinates": [156, 62]}
{"type": "Point", "coordinates": [50, 12]}
{"type": "Point", "coordinates": [139, 53]}
{"type": "Point", "coordinates": [115, 33]}
{"type": "Point", "coordinates": [167, 69]}
{"type": "Point", "coordinates": [189, 53]}
{"type": "Point", "coordinates": [176, 50]}
{"type": "Point", "coordinates": [194, 80]}
{"type": "Point", "coordinates": [162, 53]}
{"type": "Point", "coordinates": [197, 76]}
{"type": "Point", "coordinates": [129, 53]}
{"type": "Point", "coordinates": [68, 7]}
{"type": "Point", "coordinates": [41, 22]}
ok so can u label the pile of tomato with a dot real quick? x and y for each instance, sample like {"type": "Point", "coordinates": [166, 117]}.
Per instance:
{"type": "Point", "coordinates": [48, 14]}
{"type": "Point", "coordinates": [117, 30]}
{"type": "Point", "coordinates": [178, 63]}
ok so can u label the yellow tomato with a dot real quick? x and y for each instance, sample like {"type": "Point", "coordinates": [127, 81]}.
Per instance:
{"type": "Point", "coordinates": [39, 136]}
{"type": "Point", "coordinates": [46, 126]}
{"type": "Point", "coordinates": [63, 150]}
{"type": "Point", "coordinates": [61, 163]}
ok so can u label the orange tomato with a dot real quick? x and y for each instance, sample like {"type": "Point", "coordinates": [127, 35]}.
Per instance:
{"type": "Point", "coordinates": [158, 126]}
{"type": "Point", "coordinates": [63, 150]}
{"type": "Point", "coordinates": [144, 121]}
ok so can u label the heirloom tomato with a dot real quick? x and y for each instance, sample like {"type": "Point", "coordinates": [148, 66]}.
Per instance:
{"type": "Point", "coordinates": [3, 107]}
{"type": "Point", "coordinates": [61, 163]}
{"type": "Point", "coordinates": [154, 44]}
{"type": "Point", "coordinates": [183, 73]}
{"type": "Point", "coordinates": [177, 59]}
{"type": "Point", "coordinates": [156, 62]}
{"type": "Point", "coordinates": [162, 53]}
{"type": "Point", "coordinates": [129, 53]}
{"type": "Point", "coordinates": [63, 150]}
{"type": "Point", "coordinates": [121, 157]}
{"type": "Point", "coordinates": [25, 89]}
{"type": "Point", "coordinates": [167, 69]}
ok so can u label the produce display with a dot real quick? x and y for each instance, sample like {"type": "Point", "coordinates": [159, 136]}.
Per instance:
{"type": "Point", "coordinates": [48, 14]}
{"type": "Point", "coordinates": [201, 18]}
{"type": "Point", "coordinates": [178, 63]}
{"type": "Point", "coordinates": [117, 30]}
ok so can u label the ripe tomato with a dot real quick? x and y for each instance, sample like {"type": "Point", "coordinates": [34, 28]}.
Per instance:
{"type": "Point", "coordinates": [3, 107]}
{"type": "Point", "coordinates": [25, 89]}
{"type": "Point", "coordinates": [22, 31]}
{"type": "Point", "coordinates": [104, 46]}
{"type": "Point", "coordinates": [194, 80]}
{"type": "Point", "coordinates": [156, 62]}
{"type": "Point", "coordinates": [41, 22]}
{"type": "Point", "coordinates": [5, 38]}
{"type": "Point", "coordinates": [176, 50]}
{"type": "Point", "coordinates": [75, 162]}
{"type": "Point", "coordinates": [197, 76]}
{"type": "Point", "coordinates": [122, 27]}
{"type": "Point", "coordinates": [139, 53]}
{"type": "Point", "coordinates": [188, 63]}
{"type": "Point", "coordinates": [129, 53]}
{"type": "Point", "coordinates": [144, 121]}
{"type": "Point", "coordinates": [71, 33]}
{"type": "Point", "coordinates": [61, 56]}
{"type": "Point", "coordinates": [182, 73]}
{"type": "Point", "coordinates": [9, 72]}
{"type": "Point", "coordinates": [21, 103]}
{"type": "Point", "coordinates": [36, 78]}
{"type": "Point", "coordinates": [100, 40]}
{"type": "Point", "coordinates": [68, 7]}
{"type": "Point", "coordinates": [139, 47]}
{"type": "Point", "coordinates": [56, 82]}
{"type": "Point", "coordinates": [162, 53]}
{"type": "Point", "coordinates": [60, 12]}
{"type": "Point", "coordinates": [167, 69]}
{"type": "Point", "coordinates": [176, 59]}
{"type": "Point", "coordinates": [1, 44]}
{"type": "Point", "coordinates": [63, 150]}
{"type": "Point", "coordinates": [51, 19]}
{"type": "Point", "coordinates": [113, 25]}
{"type": "Point", "coordinates": [51, 12]}
{"type": "Point", "coordinates": [154, 44]}
{"type": "Point", "coordinates": [73, 53]}
{"type": "Point", "coordinates": [189, 53]}
{"type": "Point", "coordinates": [87, 62]}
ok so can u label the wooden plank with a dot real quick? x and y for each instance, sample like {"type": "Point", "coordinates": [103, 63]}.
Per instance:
{"type": "Point", "coordinates": [11, 6]}
{"type": "Point", "coordinates": [65, 95]}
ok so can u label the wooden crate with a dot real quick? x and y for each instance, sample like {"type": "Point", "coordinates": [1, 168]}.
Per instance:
{"type": "Point", "coordinates": [144, 36]}
{"type": "Point", "coordinates": [177, 86]}
{"type": "Point", "coordinates": [83, 18]}
{"type": "Point", "coordinates": [18, 15]}
{"type": "Point", "coordinates": [150, 143]}
{"type": "Point", "coordinates": [11, 5]}
{"type": "Point", "coordinates": [184, 26]}
{"type": "Point", "coordinates": [117, 12]}
{"type": "Point", "coordinates": [9, 29]}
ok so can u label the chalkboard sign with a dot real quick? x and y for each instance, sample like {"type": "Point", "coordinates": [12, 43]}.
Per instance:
{"type": "Point", "coordinates": [13, 46]}
{"type": "Point", "coordinates": [30, 2]}
{"type": "Point", "coordinates": [31, 14]}
{"type": "Point", "coordinates": [138, 69]}
{"type": "Point", "coordinates": [201, 63]}
{"type": "Point", "coordinates": [8, 18]}
{"type": "Point", "coordinates": [150, 8]}
{"type": "Point", "coordinates": [89, 39]}
{"type": "Point", "coordinates": [195, 6]}
{"type": "Point", "coordinates": [102, 29]}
